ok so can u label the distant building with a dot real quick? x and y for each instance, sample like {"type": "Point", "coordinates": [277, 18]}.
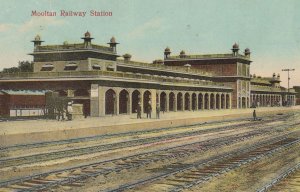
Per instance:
{"type": "Point", "coordinates": [74, 57]}
{"type": "Point", "coordinates": [297, 89]}
{"type": "Point", "coordinates": [94, 76]}
{"type": "Point", "coordinates": [233, 69]}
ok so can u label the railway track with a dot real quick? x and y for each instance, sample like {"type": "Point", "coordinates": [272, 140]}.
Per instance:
{"type": "Point", "coordinates": [187, 176]}
{"type": "Point", "coordinates": [116, 135]}
{"type": "Point", "coordinates": [78, 174]}
{"type": "Point", "coordinates": [42, 157]}
{"type": "Point", "coordinates": [131, 133]}
{"type": "Point", "coordinates": [277, 184]}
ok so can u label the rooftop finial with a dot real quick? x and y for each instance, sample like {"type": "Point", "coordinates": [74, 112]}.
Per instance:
{"type": "Point", "coordinates": [113, 44]}
{"type": "Point", "coordinates": [182, 54]}
{"type": "Point", "coordinates": [37, 41]}
{"type": "Point", "coordinates": [235, 49]}
{"type": "Point", "coordinates": [87, 34]}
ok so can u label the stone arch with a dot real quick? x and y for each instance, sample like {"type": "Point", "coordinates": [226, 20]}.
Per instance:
{"type": "Point", "coordinates": [136, 98]}
{"type": "Point", "coordinates": [179, 102]}
{"type": "Point", "coordinates": [212, 101]}
{"type": "Point", "coordinates": [187, 101]}
{"type": "Point", "coordinates": [218, 101]}
{"type": "Point", "coordinates": [124, 102]}
{"type": "Point", "coordinates": [247, 102]}
{"type": "Point", "coordinates": [206, 101]}
{"type": "Point", "coordinates": [244, 102]}
{"type": "Point", "coordinates": [227, 101]}
{"type": "Point", "coordinates": [163, 100]}
{"type": "Point", "coordinates": [200, 101]}
{"type": "Point", "coordinates": [223, 101]}
{"type": "Point", "coordinates": [194, 101]}
{"type": "Point", "coordinates": [146, 99]}
{"type": "Point", "coordinates": [110, 102]}
{"type": "Point", "coordinates": [171, 101]}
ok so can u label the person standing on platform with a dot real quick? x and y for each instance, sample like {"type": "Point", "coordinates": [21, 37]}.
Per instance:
{"type": "Point", "coordinates": [157, 111]}
{"type": "Point", "coordinates": [139, 111]}
{"type": "Point", "coordinates": [149, 110]}
{"type": "Point", "coordinates": [69, 110]}
{"type": "Point", "coordinates": [254, 115]}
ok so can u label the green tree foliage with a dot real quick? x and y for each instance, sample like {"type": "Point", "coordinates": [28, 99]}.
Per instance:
{"type": "Point", "coordinates": [11, 70]}
{"type": "Point", "coordinates": [24, 66]}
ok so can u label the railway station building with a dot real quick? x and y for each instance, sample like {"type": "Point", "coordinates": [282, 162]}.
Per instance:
{"type": "Point", "coordinates": [106, 83]}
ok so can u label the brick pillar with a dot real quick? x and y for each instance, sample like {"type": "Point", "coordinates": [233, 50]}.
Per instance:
{"type": "Point", "coordinates": [196, 102]}
{"type": "Point", "coordinates": [208, 102]}
{"type": "Point", "coordinates": [230, 101]}
{"type": "Point", "coordinates": [183, 101]}
{"type": "Point", "coordinates": [141, 99]}
{"type": "Point", "coordinates": [191, 102]}
{"type": "Point", "coordinates": [158, 98]}
{"type": "Point", "coordinates": [94, 100]}
{"type": "Point", "coordinates": [117, 101]}
{"type": "Point", "coordinates": [153, 102]}
{"type": "Point", "coordinates": [175, 101]}
{"type": "Point", "coordinates": [203, 101]}
{"type": "Point", "coordinates": [225, 102]}
{"type": "Point", "coordinates": [129, 102]}
{"type": "Point", "coordinates": [101, 102]}
{"type": "Point", "coordinates": [215, 101]}
{"type": "Point", "coordinates": [220, 104]}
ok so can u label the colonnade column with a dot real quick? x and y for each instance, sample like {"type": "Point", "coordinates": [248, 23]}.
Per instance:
{"type": "Point", "coordinates": [203, 102]}
{"type": "Point", "coordinates": [208, 102]}
{"type": "Point", "coordinates": [191, 102]}
{"type": "Point", "coordinates": [220, 101]}
{"type": "Point", "coordinates": [94, 100]}
{"type": "Point", "coordinates": [130, 102]}
{"type": "Point", "coordinates": [225, 102]}
{"type": "Point", "coordinates": [141, 100]}
{"type": "Point", "coordinates": [230, 101]}
{"type": "Point", "coordinates": [175, 101]}
{"type": "Point", "coordinates": [101, 103]}
{"type": "Point", "coordinates": [215, 101]}
{"type": "Point", "coordinates": [196, 102]}
{"type": "Point", "coordinates": [280, 100]}
{"type": "Point", "coordinates": [158, 98]}
{"type": "Point", "coordinates": [116, 107]}
{"type": "Point", "coordinates": [183, 101]}
{"type": "Point", "coordinates": [167, 102]}
{"type": "Point", "coordinates": [153, 102]}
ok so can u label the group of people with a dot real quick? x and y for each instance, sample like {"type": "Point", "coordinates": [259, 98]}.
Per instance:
{"type": "Point", "coordinates": [148, 110]}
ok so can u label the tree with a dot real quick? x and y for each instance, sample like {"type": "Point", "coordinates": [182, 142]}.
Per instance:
{"type": "Point", "coordinates": [26, 66]}
{"type": "Point", "coordinates": [23, 66]}
{"type": "Point", "coordinates": [11, 70]}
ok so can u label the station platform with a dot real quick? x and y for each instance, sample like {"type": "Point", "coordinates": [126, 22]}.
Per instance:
{"type": "Point", "coordinates": [41, 130]}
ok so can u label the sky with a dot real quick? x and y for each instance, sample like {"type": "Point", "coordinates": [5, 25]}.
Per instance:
{"type": "Point", "coordinates": [144, 28]}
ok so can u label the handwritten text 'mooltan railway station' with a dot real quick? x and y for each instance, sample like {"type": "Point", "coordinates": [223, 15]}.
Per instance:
{"type": "Point", "coordinates": [64, 13]}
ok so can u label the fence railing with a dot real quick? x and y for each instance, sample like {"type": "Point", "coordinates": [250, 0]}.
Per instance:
{"type": "Point", "coordinates": [78, 46]}
{"type": "Point", "coordinates": [208, 56]}
{"type": "Point", "coordinates": [272, 89]}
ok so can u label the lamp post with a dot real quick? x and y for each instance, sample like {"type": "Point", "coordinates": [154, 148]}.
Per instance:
{"type": "Point", "coordinates": [288, 70]}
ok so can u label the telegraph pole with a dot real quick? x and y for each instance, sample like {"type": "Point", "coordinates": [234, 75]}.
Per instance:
{"type": "Point", "coordinates": [288, 70]}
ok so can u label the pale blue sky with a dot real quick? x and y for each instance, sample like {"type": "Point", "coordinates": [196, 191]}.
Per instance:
{"type": "Point", "coordinates": [270, 28]}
